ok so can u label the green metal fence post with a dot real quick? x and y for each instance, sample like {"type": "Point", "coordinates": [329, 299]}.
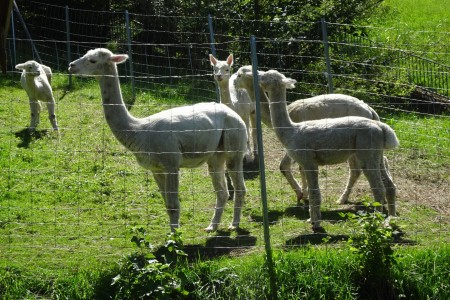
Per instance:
{"type": "Point", "coordinates": [262, 174]}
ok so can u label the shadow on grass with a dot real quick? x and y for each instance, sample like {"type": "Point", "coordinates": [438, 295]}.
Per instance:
{"type": "Point", "coordinates": [26, 136]}
{"type": "Point", "coordinates": [221, 244]}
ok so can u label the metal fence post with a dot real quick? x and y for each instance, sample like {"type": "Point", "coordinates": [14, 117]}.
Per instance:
{"type": "Point", "coordinates": [213, 49]}
{"type": "Point", "coordinates": [326, 47]}
{"type": "Point", "coordinates": [13, 33]}
{"type": "Point", "coordinates": [262, 174]}
{"type": "Point", "coordinates": [130, 53]}
{"type": "Point", "coordinates": [69, 55]}
{"type": "Point", "coordinates": [27, 33]}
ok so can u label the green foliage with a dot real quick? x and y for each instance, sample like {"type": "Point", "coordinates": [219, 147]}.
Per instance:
{"type": "Point", "coordinates": [371, 243]}
{"type": "Point", "coordinates": [142, 275]}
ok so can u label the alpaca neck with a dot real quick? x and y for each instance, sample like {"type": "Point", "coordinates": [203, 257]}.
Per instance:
{"type": "Point", "coordinates": [117, 116]}
{"type": "Point", "coordinates": [265, 109]}
{"type": "Point", "coordinates": [281, 121]}
{"type": "Point", "coordinates": [225, 95]}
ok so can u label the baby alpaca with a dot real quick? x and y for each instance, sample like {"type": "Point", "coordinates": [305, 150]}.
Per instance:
{"type": "Point", "coordinates": [237, 99]}
{"type": "Point", "coordinates": [331, 141]}
{"type": "Point", "coordinates": [36, 81]}
{"type": "Point", "coordinates": [314, 108]}
{"type": "Point", "coordinates": [182, 137]}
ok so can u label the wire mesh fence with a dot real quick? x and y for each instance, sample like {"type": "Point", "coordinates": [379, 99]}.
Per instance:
{"type": "Point", "coordinates": [71, 198]}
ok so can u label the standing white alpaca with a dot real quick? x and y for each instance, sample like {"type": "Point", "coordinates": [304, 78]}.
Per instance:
{"type": "Point", "coordinates": [319, 107]}
{"type": "Point", "coordinates": [331, 141]}
{"type": "Point", "coordinates": [182, 137]}
{"type": "Point", "coordinates": [36, 81]}
{"type": "Point", "coordinates": [237, 99]}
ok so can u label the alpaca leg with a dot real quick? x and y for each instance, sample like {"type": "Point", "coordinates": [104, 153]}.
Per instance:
{"type": "Point", "coordinates": [373, 175]}
{"type": "Point", "coordinates": [168, 185]}
{"type": "Point", "coordinates": [354, 173]}
{"type": "Point", "coordinates": [315, 198]}
{"type": "Point", "coordinates": [285, 168]}
{"type": "Point", "coordinates": [389, 186]}
{"type": "Point", "coordinates": [216, 168]}
{"type": "Point", "coordinates": [35, 107]}
{"type": "Point", "coordinates": [248, 155]}
{"type": "Point", "coordinates": [254, 138]}
{"type": "Point", "coordinates": [51, 114]}
{"type": "Point", "coordinates": [304, 185]}
{"type": "Point", "coordinates": [234, 167]}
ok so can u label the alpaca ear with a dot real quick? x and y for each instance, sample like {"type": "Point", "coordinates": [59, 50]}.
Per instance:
{"type": "Point", "coordinates": [290, 83]}
{"type": "Point", "coordinates": [20, 66]}
{"type": "Point", "coordinates": [230, 60]}
{"type": "Point", "coordinates": [119, 58]}
{"type": "Point", "coordinates": [213, 60]}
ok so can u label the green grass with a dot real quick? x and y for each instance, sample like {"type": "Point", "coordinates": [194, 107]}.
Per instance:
{"type": "Point", "coordinates": [416, 15]}
{"type": "Point", "coordinates": [308, 273]}
{"type": "Point", "coordinates": [68, 202]}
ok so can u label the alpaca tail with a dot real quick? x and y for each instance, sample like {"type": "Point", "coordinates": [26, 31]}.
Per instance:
{"type": "Point", "coordinates": [390, 138]}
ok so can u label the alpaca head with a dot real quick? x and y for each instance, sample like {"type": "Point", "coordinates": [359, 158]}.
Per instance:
{"type": "Point", "coordinates": [221, 68]}
{"type": "Point", "coordinates": [31, 67]}
{"type": "Point", "coordinates": [273, 81]}
{"type": "Point", "coordinates": [244, 78]}
{"type": "Point", "coordinates": [96, 62]}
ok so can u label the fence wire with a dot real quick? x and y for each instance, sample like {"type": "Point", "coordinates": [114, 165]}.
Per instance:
{"type": "Point", "coordinates": [77, 195]}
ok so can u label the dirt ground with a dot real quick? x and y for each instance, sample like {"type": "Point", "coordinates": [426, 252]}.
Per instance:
{"type": "Point", "coordinates": [419, 182]}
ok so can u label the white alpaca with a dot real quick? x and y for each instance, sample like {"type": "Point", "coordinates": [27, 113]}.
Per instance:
{"type": "Point", "coordinates": [236, 99]}
{"type": "Point", "coordinates": [36, 81]}
{"type": "Point", "coordinates": [319, 107]}
{"type": "Point", "coordinates": [182, 137]}
{"type": "Point", "coordinates": [331, 141]}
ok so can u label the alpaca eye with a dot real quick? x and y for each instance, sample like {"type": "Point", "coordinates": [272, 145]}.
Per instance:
{"type": "Point", "coordinates": [92, 61]}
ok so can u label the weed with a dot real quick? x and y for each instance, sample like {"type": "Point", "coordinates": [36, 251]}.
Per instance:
{"type": "Point", "coordinates": [371, 243]}
{"type": "Point", "coordinates": [151, 274]}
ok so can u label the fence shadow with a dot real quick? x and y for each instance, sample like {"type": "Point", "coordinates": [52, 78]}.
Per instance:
{"type": "Point", "coordinates": [27, 137]}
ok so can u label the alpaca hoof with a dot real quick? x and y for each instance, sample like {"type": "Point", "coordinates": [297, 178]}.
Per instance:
{"type": "Point", "coordinates": [319, 229]}
{"type": "Point", "coordinates": [233, 227]}
{"type": "Point", "coordinates": [211, 228]}
{"type": "Point", "coordinates": [342, 201]}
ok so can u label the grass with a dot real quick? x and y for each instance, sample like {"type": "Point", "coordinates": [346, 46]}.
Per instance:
{"type": "Point", "coordinates": [415, 15]}
{"type": "Point", "coordinates": [76, 196]}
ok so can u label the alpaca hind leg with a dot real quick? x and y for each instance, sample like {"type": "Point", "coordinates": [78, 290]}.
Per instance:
{"type": "Point", "coordinates": [168, 186]}
{"type": "Point", "coordinates": [51, 114]}
{"type": "Point", "coordinates": [354, 173]}
{"type": "Point", "coordinates": [234, 167]}
{"type": "Point", "coordinates": [216, 169]}
{"type": "Point", "coordinates": [285, 169]}
{"type": "Point", "coordinates": [315, 197]}
{"type": "Point", "coordinates": [373, 175]}
{"type": "Point", "coordinates": [389, 186]}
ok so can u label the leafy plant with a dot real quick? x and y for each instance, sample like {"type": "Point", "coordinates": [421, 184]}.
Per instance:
{"type": "Point", "coordinates": [146, 275]}
{"type": "Point", "coordinates": [372, 244]}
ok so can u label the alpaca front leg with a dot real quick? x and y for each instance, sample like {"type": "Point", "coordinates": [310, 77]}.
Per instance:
{"type": "Point", "coordinates": [286, 171]}
{"type": "Point", "coordinates": [216, 170]}
{"type": "Point", "coordinates": [35, 107]}
{"type": "Point", "coordinates": [315, 198]}
{"type": "Point", "coordinates": [248, 158]}
{"type": "Point", "coordinates": [168, 186]}
{"type": "Point", "coordinates": [51, 114]}
{"type": "Point", "coordinates": [354, 173]}
{"type": "Point", "coordinates": [255, 139]}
